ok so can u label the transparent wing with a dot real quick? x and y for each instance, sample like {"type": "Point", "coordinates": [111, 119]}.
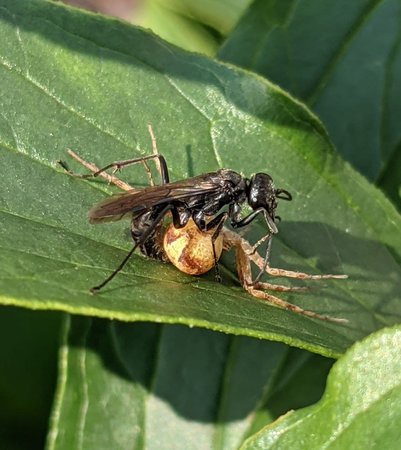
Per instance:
{"type": "Point", "coordinates": [136, 202]}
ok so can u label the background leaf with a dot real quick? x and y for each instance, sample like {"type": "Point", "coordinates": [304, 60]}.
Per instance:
{"type": "Point", "coordinates": [343, 59]}
{"type": "Point", "coordinates": [390, 178]}
{"type": "Point", "coordinates": [196, 26]}
{"type": "Point", "coordinates": [28, 349]}
{"type": "Point", "coordinates": [163, 387]}
{"type": "Point", "coordinates": [360, 408]}
{"type": "Point", "coordinates": [92, 84]}
{"type": "Point", "coordinates": [140, 377]}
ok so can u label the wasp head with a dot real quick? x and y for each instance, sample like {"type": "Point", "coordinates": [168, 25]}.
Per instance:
{"type": "Point", "coordinates": [263, 194]}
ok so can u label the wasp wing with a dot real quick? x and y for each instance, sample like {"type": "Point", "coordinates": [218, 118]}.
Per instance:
{"type": "Point", "coordinates": [136, 202]}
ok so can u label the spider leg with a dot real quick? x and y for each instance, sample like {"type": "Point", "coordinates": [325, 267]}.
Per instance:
{"type": "Point", "coordinates": [234, 240]}
{"type": "Point", "coordinates": [280, 288]}
{"type": "Point", "coordinates": [290, 306]}
{"type": "Point", "coordinates": [94, 169]}
{"type": "Point", "coordinates": [243, 263]}
{"type": "Point", "coordinates": [160, 162]}
{"type": "Point", "coordinates": [155, 152]}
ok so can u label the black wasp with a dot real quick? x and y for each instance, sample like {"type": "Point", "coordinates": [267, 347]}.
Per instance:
{"type": "Point", "coordinates": [202, 198]}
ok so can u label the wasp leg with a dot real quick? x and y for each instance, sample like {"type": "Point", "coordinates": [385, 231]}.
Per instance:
{"type": "Point", "coordinates": [252, 216]}
{"type": "Point", "coordinates": [138, 243]}
{"type": "Point", "coordinates": [215, 224]}
{"type": "Point", "coordinates": [220, 219]}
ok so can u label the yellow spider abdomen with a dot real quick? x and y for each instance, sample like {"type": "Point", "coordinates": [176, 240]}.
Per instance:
{"type": "Point", "coordinates": [191, 250]}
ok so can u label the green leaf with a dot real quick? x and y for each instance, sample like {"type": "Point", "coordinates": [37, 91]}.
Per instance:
{"type": "Point", "coordinates": [28, 354]}
{"type": "Point", "coordinates": [147, 386]}
{"type": "Point", "coordinates": [360, 408]}
{"type": "Point", "coordinates": [76, 80]}
{"type": "Point", "coordinates": [196, 26]}
{"type": "Point", "coordinates": [342, 58]}
{"type": "Point", "coordinates": [390, 178]}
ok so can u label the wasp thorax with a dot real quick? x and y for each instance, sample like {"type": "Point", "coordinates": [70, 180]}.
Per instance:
{"type": "Point", "coordinates": [190, 249]}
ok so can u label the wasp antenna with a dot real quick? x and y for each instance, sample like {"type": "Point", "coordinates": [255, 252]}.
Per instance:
{"type": "Point", "coordinates": [287, 196]}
